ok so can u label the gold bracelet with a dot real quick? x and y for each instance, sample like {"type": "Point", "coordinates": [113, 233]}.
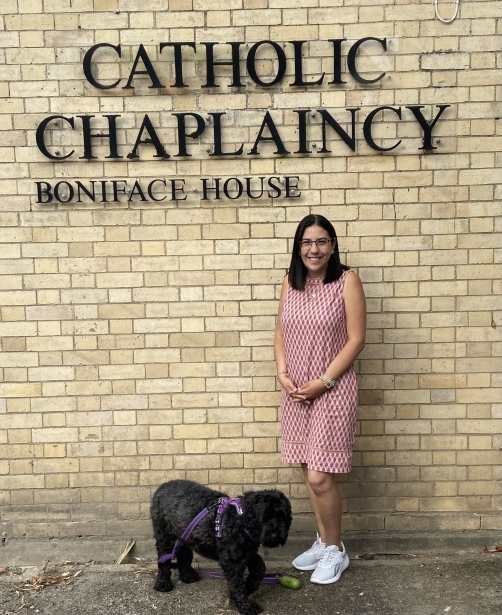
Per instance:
{"type": "Point", "coordinates": [280, 374]}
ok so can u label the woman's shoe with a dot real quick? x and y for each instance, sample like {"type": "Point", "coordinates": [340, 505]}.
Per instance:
{"type": "Point", "coordinates": [309, 559]}
{"type": "Point", "coordinates": [331, 565]}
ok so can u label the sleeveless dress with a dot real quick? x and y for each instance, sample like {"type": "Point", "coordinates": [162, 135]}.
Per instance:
{"type": "Point", "coordinates": [315, 330]}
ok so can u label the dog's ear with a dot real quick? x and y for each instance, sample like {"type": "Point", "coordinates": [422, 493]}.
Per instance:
{"type": "Point", "coordinates": [254, 508]}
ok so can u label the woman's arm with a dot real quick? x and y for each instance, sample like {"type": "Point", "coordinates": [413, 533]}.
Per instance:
{"type": "Point", "coordinates": [279, 352]}
{"type": "Point", "coordinates": [355, 311]}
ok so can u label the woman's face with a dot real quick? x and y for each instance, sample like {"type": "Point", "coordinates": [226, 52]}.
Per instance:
{"type": "Point", "coordinates": [315, 257]}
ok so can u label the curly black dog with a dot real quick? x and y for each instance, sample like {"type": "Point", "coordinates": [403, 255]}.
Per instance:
{"type": "Point", "coordinates": [265, 520]}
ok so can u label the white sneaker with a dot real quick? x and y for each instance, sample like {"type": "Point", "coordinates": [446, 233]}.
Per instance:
{"type": "Point", "coordinates": [331, 565]}
{"type": "Point", "coordinates": [308, 560]}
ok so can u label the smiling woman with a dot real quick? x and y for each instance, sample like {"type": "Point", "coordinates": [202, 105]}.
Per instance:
{"type": "Point", "coordinates": [316, 249]}
{"type": "Point", "coordinates": [320, 332]}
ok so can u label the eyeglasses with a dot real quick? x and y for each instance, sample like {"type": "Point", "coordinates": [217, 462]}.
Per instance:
{"type": "Point", "coordinates": [320, 243]}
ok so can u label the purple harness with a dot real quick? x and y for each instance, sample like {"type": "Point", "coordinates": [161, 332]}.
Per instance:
{"type": "Point", "coordinates": [223, 504]}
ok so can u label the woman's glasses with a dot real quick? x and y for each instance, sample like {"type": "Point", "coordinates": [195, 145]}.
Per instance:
{"type": "Point", "coordinates": [320, 243]}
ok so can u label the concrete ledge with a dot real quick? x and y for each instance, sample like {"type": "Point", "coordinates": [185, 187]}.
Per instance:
{"type": "Point", "coordinates": [32, 552]}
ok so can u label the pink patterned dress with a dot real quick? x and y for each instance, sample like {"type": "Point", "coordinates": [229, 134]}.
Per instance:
{"type": "Point", "coordinates": [315, 330]}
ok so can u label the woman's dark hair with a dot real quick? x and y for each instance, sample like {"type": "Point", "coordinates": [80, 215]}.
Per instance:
{"type": "Point", "coordinates": [297, 270]}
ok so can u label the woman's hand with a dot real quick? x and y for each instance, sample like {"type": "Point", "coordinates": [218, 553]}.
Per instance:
{"type": "Point", "coordinates": [287, 384]}
{"type": "Point", "coordinates": [309, 391]}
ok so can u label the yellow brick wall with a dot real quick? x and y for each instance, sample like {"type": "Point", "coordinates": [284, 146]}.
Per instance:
{"type": "Point", "coordinates": [136, 339]}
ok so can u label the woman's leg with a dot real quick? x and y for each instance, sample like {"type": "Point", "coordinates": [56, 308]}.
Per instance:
{"type": "Point", "coordinates": [313, 501]}
{"type": "Point", "coordinates": [327, 504]}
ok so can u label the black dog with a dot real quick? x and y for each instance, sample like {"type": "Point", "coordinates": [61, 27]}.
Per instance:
{"type": "Point", "coordinates": [265, 520]}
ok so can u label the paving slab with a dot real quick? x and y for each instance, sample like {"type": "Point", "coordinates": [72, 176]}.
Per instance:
{"type": "Point", "coordinates": [420, 586]}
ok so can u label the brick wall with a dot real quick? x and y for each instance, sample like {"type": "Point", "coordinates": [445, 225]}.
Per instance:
{"type": "Point", "coordinates": [136, 336]}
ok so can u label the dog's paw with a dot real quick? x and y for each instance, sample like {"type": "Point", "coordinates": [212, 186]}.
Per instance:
{"type": "Point", "coordinates": [189, 576]}
{"type": "Point", "coordinates": [163, 585]}
{"type": "Point", "coordinates": [250, 608]}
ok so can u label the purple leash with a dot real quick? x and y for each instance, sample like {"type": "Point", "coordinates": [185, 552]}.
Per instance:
{"type": "Point", "coordinates": [268, 579]}
{"type": "Point", "coordinates": [170, 556]}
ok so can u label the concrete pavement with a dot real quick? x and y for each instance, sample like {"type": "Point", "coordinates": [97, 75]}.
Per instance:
{"type": "Point", "coordinates": [389, 575]}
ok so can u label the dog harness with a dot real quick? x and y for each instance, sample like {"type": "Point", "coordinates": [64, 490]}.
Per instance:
{"type": "Point", "coordinates": [223, 504]}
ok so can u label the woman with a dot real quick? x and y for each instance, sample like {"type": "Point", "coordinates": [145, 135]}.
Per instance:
{"type": "Point", "coordinates": [320, 332]}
